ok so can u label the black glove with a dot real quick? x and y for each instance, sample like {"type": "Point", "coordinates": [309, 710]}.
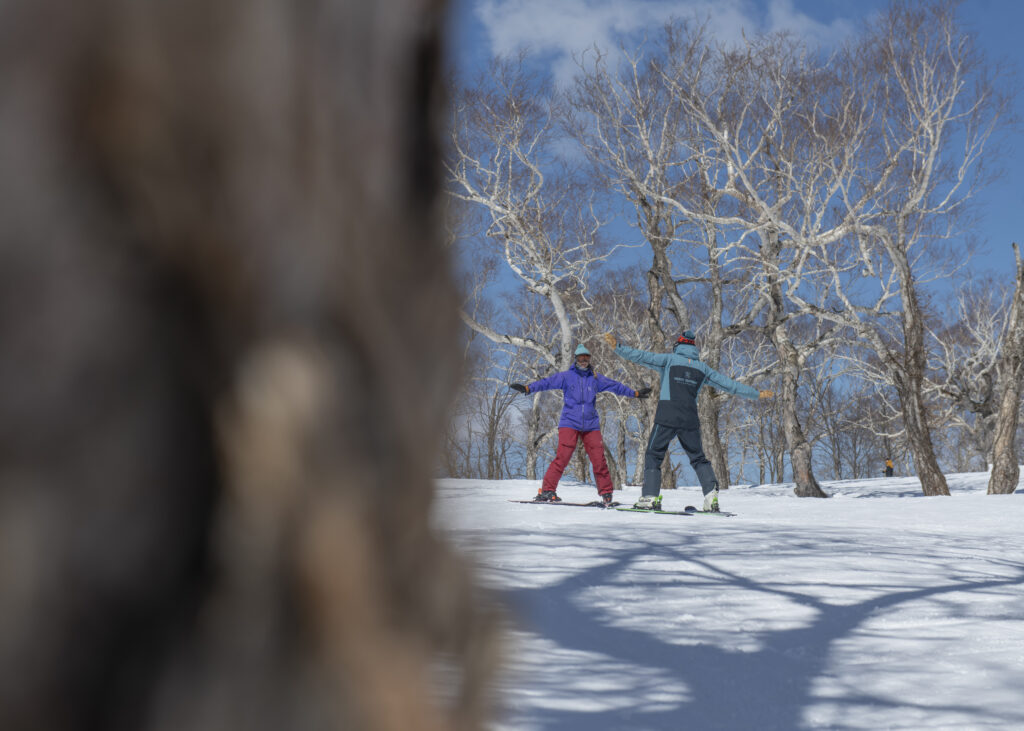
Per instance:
{"type": "Point", "coordinates": [643, 392]}
{"type": "Point", "coordinates": [524, 389]}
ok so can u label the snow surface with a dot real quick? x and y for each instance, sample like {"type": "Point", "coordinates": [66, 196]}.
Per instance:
{"type": "Point", "coordinates": [876, 609]}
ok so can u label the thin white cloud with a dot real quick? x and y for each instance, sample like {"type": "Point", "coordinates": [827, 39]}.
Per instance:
{"type": "Point", "coordinates": [565, 27]}
{"type": "Point", "coordinates": [782, 15]}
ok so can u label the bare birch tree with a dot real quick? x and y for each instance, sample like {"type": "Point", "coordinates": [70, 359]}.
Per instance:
{"type": "Point", "coordinates": [901, 179]}
{"type": "Point", "coordinates": [1005, 465]}
{"type": "Point", "coordinates": [481, 438]}
{"type": "Point", "coordinates": [630, 126]}
{"type": "Point", "coordinates": [502, 162]}
{"type": "Point", "coordinates": [966, 361]}
{"type": "Point", "coordinates": [978, 370]}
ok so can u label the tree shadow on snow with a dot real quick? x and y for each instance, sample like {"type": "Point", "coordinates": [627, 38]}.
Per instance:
{"type": "Point", "coordinates": [660, 684]}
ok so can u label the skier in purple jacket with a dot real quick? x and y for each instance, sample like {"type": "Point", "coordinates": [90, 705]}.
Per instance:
{"type": "Point", "coordinates": [579, 386]}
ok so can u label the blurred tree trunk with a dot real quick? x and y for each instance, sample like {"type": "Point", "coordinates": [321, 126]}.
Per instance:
{"type": "Point", "coordinates": [215, 490]}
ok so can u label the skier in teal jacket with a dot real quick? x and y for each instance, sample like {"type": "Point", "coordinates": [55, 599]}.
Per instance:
{"type": "Point", "coordinates": [683, 375]}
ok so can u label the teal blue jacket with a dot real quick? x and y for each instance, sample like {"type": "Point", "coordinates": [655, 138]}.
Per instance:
{"type": "Point", "coordinates": [683, 375]}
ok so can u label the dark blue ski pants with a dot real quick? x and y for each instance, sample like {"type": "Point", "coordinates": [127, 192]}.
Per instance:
{"type": "Point", "coordinates": [657, 446]}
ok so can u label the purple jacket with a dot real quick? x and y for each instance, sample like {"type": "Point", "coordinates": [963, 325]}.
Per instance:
{"type": "Point", "coordinates": [580, 389]}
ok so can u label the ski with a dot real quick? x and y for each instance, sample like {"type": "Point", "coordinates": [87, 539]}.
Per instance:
{"type": "Point", "coordinates": [693, 511]}
{"type": "Point", "coordinates": [592, 504]}
{"type": "Point", "coordinates": [676, 512]}
{"type": "Point", "coordinates": [689, 510]}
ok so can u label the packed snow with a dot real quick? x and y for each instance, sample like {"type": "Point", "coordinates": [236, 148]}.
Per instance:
{"type": "Point", "coordinates": [876, 609]}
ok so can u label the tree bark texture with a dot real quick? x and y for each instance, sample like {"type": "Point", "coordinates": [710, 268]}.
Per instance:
{"type": "Point", "coordinates": [581, 463]}
{"type": "Point", "coordinates": [533, 439]}
{"type": "Point", "coordinates": [668, 474]}
{"type": "Point", "coordinates": [491, 438]}
{"type": "Point", "coordinates": [1005, 475]}
{"type": "Point", "coordinates": [919, 440]}
{"type": "Point", "coordinates": [621, 457]}
{"type": "Point", "coordinates": [708, 410]}
{"type": "Point", "coordinates": [659, 229]}
{"type": "Point", "coordinates": [709, 403]}
{"type": "Point", "coordinates": [908, 376]}
{"type": "Point", "coordinates": [640, 443]}
{"type": "Point", "coordinates": [219, 244]}
{"type": "Point", "coordinates": [1005, 466]}
{"type": "Point", "coordinates": [614, 470]}
{"type": "Point", "coordinates": [800, 453]}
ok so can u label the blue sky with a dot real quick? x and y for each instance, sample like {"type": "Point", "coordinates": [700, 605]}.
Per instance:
{"type": "Point", "coordinates": [556, 28]}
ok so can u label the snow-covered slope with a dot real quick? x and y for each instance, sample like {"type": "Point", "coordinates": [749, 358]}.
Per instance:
{"type": "Point", "coordinates": [878, 608]}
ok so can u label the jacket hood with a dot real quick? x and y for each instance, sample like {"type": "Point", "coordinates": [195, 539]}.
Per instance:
{"type": "Point", "coordinates": [687, 351]}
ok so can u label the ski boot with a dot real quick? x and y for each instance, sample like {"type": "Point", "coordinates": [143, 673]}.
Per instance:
{"type": "Point", "coordinates": [711, 502]}
{"type": "Point", "coordinates": [546, 496]}
{"type": "Point", "coordinates": [648, 502]}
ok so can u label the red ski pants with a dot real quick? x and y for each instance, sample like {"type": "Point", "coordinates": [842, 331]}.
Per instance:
{"type": "Point", "coordinates": [594, 446]}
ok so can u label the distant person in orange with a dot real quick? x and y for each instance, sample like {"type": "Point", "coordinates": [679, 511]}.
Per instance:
{"type": "Point", "coordinates": [888, 467]}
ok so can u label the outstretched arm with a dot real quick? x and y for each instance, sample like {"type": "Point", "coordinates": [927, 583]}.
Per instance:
{"type": "Point", "coordinates": [724, 383]}
{"type": "Point", "coordinates": [610, 384]}
{"type": "Point", "coordinates": [656, 361]}
{"type": "Point", "coordinates": [554, 381]}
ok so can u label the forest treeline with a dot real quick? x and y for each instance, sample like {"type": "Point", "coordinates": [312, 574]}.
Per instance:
{"type": "Point", "coordinates": [808, 212]}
